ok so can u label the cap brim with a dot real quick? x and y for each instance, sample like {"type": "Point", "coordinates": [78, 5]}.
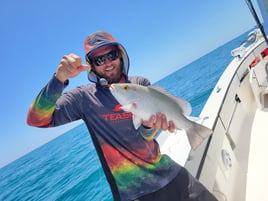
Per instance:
{"type": "Point", "coordinates": [99, 46]}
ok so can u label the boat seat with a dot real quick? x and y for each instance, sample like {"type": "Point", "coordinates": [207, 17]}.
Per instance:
{"type": "Point", "coordinates": [258, 80]}
{"type": "Point", "coordinates": [260, 73]}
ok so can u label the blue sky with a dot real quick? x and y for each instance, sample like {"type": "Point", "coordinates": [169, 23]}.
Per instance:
{"type": "Point", "coordinates": [160, 37]}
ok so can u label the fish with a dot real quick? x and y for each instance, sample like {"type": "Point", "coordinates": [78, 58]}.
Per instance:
{"type": "Point", "coordinates": [145, 101]}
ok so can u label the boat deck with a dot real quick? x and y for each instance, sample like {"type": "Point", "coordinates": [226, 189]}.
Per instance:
{"type": "Point", "coordinates": [257, 174]}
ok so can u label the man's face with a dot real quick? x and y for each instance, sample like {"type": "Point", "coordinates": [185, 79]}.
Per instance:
{"type": "Point", "coordinates": [111, 69]}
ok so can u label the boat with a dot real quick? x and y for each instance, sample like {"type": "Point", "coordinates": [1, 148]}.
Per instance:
{"type": "Point", "coordinates": [231, 163]}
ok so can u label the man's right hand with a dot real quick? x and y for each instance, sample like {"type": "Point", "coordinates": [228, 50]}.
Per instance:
{"type": "Point", "coordinates": [70, 66]}
{"type": "Point", "coordinates": [159, 121]}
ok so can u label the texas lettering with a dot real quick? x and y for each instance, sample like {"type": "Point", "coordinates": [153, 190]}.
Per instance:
{"type": "Point", "coordinates": [117, 116]}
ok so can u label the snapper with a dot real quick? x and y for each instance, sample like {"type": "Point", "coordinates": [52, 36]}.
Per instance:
{"type": "Point", "coordinates": [145, 101]}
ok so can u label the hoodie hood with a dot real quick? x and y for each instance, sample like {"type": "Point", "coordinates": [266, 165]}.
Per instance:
{"type": "Point", "coordinates": [100, 39]}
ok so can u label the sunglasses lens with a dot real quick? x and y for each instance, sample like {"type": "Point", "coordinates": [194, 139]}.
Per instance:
{"type": "Point", "coordinates": [113, 55]}
{"type": "Point", "coordinates": [100, 60]}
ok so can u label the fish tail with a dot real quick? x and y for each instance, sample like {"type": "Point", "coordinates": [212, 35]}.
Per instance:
{"type": "Point", "coordinates": [196, 134]}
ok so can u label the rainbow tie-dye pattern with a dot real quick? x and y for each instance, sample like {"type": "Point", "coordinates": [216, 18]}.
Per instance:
{"type": "Point", "coordinates": [141, 172]}
{"type": "Point", "coordinates": [135, 161]}
{"type": "Point", "coordinates": [41, 110]}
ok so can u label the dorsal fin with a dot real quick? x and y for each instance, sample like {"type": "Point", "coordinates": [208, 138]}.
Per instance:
{"type": "Point", "coordinates": [184, 104]}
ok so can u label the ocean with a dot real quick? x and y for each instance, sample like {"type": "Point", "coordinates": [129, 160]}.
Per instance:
{"type": "Point", "coordinates": [67, 168]}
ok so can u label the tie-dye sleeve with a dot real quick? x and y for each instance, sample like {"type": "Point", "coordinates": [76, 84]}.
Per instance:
{"type": "Point", "coordinates": [41, 110]}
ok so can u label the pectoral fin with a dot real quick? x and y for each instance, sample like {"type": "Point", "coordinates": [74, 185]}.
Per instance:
{"type": "Point", "coordinates": [136, 121]}
{"type": "Point", "coordinates": [129, 107]}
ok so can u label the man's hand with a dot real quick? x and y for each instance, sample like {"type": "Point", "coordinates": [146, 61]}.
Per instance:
{"type": "Point", "coordinates": [70, 66]}
{"type": "Point", "coordinates": [159, 121]}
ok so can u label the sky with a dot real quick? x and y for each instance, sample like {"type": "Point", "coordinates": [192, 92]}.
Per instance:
{"type": "Point", "coordinates": [159, 36]}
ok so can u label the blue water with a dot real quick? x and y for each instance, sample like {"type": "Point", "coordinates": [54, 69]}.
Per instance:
{"type": "Point", "coordinates": [67, 168]}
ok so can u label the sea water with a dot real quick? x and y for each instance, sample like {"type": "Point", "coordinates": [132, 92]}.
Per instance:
{"type": "Point", "coordinates": [67, 168]}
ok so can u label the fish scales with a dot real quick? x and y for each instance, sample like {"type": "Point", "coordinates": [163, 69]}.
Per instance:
{"type": "Point", "coordinates": [145, 101]}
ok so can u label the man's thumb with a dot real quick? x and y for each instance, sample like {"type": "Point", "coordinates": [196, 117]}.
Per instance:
{"type": "Point", "coordinates": [84, 67]}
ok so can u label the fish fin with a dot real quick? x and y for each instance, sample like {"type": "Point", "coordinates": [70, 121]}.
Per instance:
{"type": "Point", "coordinates": [159, 88]}
{"type": "Point", "coordinates": [196, 134]}
{"type": "Point", "coordinates": [184, 104]}
{"type": "Point", "coordinates": [136, 121]}
{"type": "Point", "coordinates": [129, 107]}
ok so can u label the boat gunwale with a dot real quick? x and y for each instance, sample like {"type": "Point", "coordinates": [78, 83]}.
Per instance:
{"type": "Point", "coordinates": [205, 111]}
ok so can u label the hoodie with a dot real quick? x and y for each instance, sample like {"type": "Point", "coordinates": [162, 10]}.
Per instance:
{"type": "Point", "coordinates": [100, 39]}
{"type": "Point", "coordinates": [130, 158]}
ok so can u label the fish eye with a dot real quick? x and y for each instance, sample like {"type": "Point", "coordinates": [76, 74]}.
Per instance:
{"type": "Point", "coordinates": [126, 87]}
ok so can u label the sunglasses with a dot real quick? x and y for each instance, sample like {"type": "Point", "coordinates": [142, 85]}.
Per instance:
{"type": "Point", "coordinates": [100, 60]}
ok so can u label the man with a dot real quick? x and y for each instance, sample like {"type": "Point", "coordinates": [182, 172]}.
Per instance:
{"type": "Point", "coordinates": [131, 158]}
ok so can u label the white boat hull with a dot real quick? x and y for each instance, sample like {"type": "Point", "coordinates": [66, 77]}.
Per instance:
{"type": "Point", "coordinates": [231, 163]}
{"type": "Point", "coordinates": [228, 160]}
